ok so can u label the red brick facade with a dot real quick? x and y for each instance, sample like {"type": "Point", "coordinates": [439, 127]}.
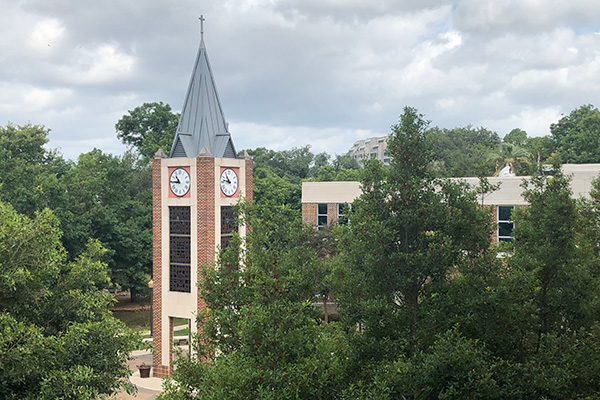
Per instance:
{"type": "Point", "coordinates": [495, 220]}
{"type": "Point", "coordinates": [248, 192]}
{"type": "Point", "coordinates": [158, 369]}
{"type": "Point", "coordinates": [206, 217]}
{"type": "Point", "coordinates": [309, 214]}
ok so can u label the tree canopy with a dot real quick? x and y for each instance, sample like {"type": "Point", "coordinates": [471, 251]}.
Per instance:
{"type": "Point", "coordinates": [576, 136]}
{"type": "Point", "coordinates": [58, 338]}
{"type": "Point", "coordinates": [149, 127]}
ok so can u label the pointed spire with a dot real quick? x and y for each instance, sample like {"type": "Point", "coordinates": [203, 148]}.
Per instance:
{"type": "Point", "coordinates": [202, 122]}
{"type": "Point", "coordinates": [202, 30]}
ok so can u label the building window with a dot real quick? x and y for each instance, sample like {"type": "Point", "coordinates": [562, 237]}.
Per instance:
{"type": "Point", "coordinates": [179, 249]}
{"type": "Point", "coordinates": [343, 208]}
{"type": "Point", "coordinates": [505, 223]}
{"type": "Point", "coordinates": [228, 225]}
{"type": "Point", "coordinates": [321, 215]}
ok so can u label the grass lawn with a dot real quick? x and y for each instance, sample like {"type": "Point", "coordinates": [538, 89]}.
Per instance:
{"type": "Point", "coordinates": [140, 321]}
{"type": "Point", "coordinates": [181, 332]}
{"type": "Point", "coordinates": [136, 320]}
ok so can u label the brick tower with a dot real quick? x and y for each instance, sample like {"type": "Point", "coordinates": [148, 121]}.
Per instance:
{"type": "Point", "coordinates": [193, 190]}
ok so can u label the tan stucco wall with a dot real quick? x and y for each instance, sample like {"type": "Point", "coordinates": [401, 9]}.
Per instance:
{"type": "Point", "coordinates": [330, 192]}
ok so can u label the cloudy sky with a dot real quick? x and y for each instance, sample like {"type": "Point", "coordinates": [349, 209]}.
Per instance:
{"type": "Point", "coordinates": [290, 73]}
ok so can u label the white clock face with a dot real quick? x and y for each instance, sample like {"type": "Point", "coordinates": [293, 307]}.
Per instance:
{"type": "Point", "coordinates": [229, 182]}
{"type": "Point", "coordinates": [179, 182]}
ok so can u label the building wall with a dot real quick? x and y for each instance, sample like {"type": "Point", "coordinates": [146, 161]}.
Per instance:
{"type": "Point", "coordinates": [509, 194]}
{"type": "Point", "coordinates": [373, 147]}
{"type": "Point", "coordinates": [309, 213]}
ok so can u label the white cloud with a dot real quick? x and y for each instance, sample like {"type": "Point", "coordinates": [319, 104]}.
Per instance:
{"type": "Point", "coordinates": [536, 122]}
{"type": "Point", "coordinates": [331, 140]}
{"type": "Point", "coordinates": [46, 34]}
{"type": "Point", "coordinates": [103, 63]}
{"type": "Point", "coordinates": [27, 99]}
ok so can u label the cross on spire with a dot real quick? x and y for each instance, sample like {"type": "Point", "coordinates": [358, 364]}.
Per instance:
{"type": "Point", "coordinates": [201, 27]}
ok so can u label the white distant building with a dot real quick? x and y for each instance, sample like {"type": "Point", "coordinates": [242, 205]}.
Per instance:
{"type": "Point", "coordinates": [372, 147]}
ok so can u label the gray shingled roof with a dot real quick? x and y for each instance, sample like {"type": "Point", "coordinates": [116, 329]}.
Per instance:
{"type": "Point", "coordinates": [202, 123]}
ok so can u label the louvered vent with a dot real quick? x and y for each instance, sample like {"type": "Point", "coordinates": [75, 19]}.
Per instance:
{"type": "Point", "coordinates": [229, 151]}
{"type": "Point", "coordinates": [179, 151]}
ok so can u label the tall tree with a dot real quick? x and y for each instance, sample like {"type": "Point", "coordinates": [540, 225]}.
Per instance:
{"type": "Point", "coordinates": [546, 243]}
{"type": "Point", "coordinates": [295, 164]}
{"type": "Point", "coordinates": [564, 293]}
{"type": "Point", "coordinates": [109, 199]}
{"type": "Point", "coordinates": [58, 338]}
{"type": "Point", "coordinates": [407, 235]}
{"type": "Point", "coordinates": [147, 128]}
{"type": "Point", "coordinates": [576, 135]}
{"type": "Point", "coordinates": [542, 149]}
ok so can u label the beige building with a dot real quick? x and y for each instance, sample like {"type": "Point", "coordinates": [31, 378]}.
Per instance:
{"type": "Point", "coordinates": [372, 147]}
{"type": "Point", "coordinates": [323, 202]}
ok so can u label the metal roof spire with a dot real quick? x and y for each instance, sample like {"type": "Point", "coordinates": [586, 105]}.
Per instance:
{"type": "Point", "coordinates": [202, 123]}
{"type": "Point", "coordinates": [201, 29]}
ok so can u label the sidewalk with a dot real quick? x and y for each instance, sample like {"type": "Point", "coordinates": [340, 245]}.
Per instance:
{"type": "Point", "coordinates": [148, 388]}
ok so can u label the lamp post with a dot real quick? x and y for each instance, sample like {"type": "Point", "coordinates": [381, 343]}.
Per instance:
{"type": "Point", "coordinates": [151, 286]}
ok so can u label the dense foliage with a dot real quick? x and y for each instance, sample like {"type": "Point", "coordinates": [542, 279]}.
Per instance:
{"type": "Point", "coordinates": [576, 136]}
{"type": "Point", "coordinates": [148, 128]}
{"type": "Point", "coordinates": [58, 338]}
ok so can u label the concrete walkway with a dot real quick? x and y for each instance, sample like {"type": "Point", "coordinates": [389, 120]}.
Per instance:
{"type": "Point", "coordinates": [148, 388]}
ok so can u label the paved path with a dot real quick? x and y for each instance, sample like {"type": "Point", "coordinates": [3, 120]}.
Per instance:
{"type": "Point", "coordinates": [148, 388]}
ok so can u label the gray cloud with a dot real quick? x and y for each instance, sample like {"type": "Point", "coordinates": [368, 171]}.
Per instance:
{"type": "Point", "coordinates": [298, 72]}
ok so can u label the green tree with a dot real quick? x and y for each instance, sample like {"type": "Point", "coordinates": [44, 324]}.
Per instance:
{"type": "Point", "coordinates": [147, 128]}
{"type": "Point", "coordinates": [407, 235]}
{"type": "Point", "coordinates": [541, 149]}
{"type": "Point", "coordinates": [295, 164]}
{"type": "Point", "coordinates": [58, 338]}
{"type": "Point", "coordinates": [463, 151]}
{"type": "Point", "coordinates": [545, 242]}
{"type": "Point", "coordinates": [29, 174]}
{"type": "Point", "coordinates": [508, 153]}
{"type": "Point", "coordinates": [273, 193]}
{"type": "Point", "coordinates": [109, 199]}
{"type": "Point", "coordinates": [549, 248]}
{"type": "Point", "coordinates": [576, 135]}
{"type": "Point", "coordinates": [345, 161]}
{"type": "Point", "coordinates": [517, 137]}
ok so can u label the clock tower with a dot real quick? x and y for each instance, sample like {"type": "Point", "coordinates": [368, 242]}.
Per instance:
{"type": "Point", "coordinates": [193, 190]}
